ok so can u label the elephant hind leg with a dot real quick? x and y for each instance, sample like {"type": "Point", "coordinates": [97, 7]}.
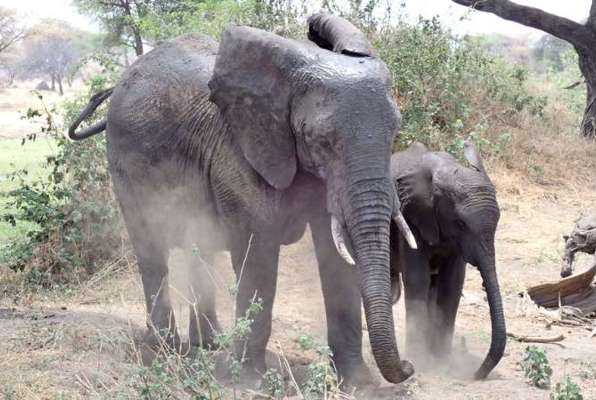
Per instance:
{"type": "Point", "coordinates": [151, 248]}
{"type": "Point", "coordinates": [204, 325]}
{"type": "Point", "coordinates": [152, 256]}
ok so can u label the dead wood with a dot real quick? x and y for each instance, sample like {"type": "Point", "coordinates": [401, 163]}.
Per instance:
{"type": "Point", "coordinates": [536, 339]}
{"type": "Point", "coordinates": [576, 291]}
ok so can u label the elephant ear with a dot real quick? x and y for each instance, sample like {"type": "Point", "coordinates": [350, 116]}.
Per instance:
{"type": "Point", "coordinates": [417, 195]}
{"type": "Point", "coordinates": [251, 86]}
{"type": "Point", "coordinates": [339, 35]}
{"type": "Point", "coordinates": [473, 156]}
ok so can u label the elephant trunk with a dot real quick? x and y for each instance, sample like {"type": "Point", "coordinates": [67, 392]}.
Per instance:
{"type": "Point", "coordinates": [368, 212]}
{"type": "Point", "coordinates": [497, 318]}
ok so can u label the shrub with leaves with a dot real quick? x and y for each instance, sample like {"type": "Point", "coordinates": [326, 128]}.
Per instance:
{"type": "Point", "coordinates": [536, 367]}
{"type": "Point", "coordinates": [76, 224]}
{"type": "Point", "coordinates": [567, 390]}
{"type": "Point", "coordinates": [321, 379]}
{"type": "Point", "coordinates": [448, 88]}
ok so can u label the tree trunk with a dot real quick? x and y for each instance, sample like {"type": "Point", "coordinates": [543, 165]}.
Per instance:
{"type": "Point", "coordinates": [138, 41]}
{"type": "Point", "coordinates": [53, 87]}
{"type": "Point", "coordinates": [60, 90]}
{"type": "Point", "coordinates": [587, 65]}
{"type": "Point", "coordinates": [136, 33]}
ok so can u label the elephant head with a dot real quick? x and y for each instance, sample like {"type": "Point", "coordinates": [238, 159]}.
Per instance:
{"type": "Point", "coordinates": [450, 205]}
{"type": "Point", "coordinates": [292, 106]}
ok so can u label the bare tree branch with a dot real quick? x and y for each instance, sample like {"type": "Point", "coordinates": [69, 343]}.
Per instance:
{"type": "Point", "coordinates": [575, 84]}
{"type": "Point", "coordinates": [577, 34]}
{"type": "Point", "coordinates": [11, 30]}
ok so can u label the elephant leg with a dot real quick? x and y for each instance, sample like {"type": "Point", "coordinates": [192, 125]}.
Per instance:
{"type": "Point", "coordinates": [149, 237]}
{"type": "Point", "coordinates": [203, 325]}
{"type": "Point", "coordinates": [255, 263]}
{"type": "Point", "coordinates": [152, 255]}
{"type": "Point", "coordinates": [450, 282]}
{"type": "Point", "coordinates": [416, 279]}
{"type": "Point", "coordinates": [341, 294]}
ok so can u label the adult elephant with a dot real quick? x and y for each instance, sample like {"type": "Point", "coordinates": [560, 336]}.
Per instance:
{"type": "Point", "coordinates": [453, 212]}
{"type": "Point", "coordinates": [237, 147]}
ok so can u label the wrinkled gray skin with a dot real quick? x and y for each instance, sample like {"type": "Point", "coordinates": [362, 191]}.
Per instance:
{"type": "Point", "coordinates": [581, 239]}
{"type": "Point", "coordinates": [248, 144]}
{"type": "Point", "coordinates": [453, 212]}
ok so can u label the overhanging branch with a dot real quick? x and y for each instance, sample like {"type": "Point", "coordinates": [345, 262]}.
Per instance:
{"type": "Point", "coordinates": [577, 34]}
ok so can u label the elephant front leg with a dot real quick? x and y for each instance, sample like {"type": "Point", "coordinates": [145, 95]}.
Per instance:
{"type": "Point", "coordinates": [255, 263]}
{"type": "Point", "coordinates": [341, 294]}
{"type": "Point", "coordinates": [417, 279]}
{"type": "Point", "coordinates": [449, 285]}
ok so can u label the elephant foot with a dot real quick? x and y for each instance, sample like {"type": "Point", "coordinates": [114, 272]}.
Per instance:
{"type": "Point", "coordinates": [249, 379]}
{"type": "Point", "coordinates": [355, 376]}
{"type": "Point", "coordinates": [241, 376]}
{"type": "Point", "coordinates": [206, 339]}
{"type": "Point", "coordinates": [155, 343]}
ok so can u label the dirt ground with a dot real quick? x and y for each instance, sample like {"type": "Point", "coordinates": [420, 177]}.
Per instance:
{"type": "Point", "coordinates": [63, 344]}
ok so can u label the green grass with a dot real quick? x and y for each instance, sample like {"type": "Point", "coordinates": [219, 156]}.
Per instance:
{"type": "Point", "coordinates": [14, 156]}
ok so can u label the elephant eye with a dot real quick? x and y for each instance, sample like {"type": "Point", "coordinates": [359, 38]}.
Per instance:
{"type": "Point", "coordinates": [461, 225]}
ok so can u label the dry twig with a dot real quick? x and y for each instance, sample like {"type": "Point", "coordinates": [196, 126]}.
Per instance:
{"type": "Point", "coordinates": [536, 339]}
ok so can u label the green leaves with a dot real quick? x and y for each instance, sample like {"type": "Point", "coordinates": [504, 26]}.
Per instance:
{"type": "Point", "coordinates": [449, 88]}
{"type": "Point", "coordinates": [536, 367]}
{"type": "Point", "coordinates": [73, 221]}
{"type": "Point", "coordinates": [567, 390]}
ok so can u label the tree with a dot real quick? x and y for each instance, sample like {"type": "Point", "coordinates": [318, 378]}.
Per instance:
{"type": "Point", "coordinates": [9, 64]}
{"type": "Point", "coordinates": [123, 19]}
{"type": "Point", "coordinates": [581, 36]}
{"type": "Point", "coordinates": [120, 18]}
{"type": "Point", "coordinates": [549, 51]}
{"type": "Point", "coordinates": [11, 30]}
{"type": "Point", "coordinates": [51, 52]}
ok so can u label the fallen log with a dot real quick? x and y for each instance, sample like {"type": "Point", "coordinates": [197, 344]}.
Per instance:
{"type": "Point", "coordinates": [536, 339]}
{"type": "Point", "coordinates": [576, 291]}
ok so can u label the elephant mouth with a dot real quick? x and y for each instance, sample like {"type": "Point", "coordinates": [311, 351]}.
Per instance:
{"type": "Point", "coordinates": [343, 246]}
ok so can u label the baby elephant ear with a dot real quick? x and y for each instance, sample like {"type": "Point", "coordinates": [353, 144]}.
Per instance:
{"type": "Point", "coordinates": [471, 154]}
{"type": "Point", "coordinates": [416, 191]}
{"type": "Point", "coordinates": [251, 87]}
{"type": "Point", "coordinates": [339, 35]}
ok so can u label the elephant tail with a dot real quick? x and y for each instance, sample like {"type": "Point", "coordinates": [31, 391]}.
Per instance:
{"type": "Point", "coordinates": [94, 102]}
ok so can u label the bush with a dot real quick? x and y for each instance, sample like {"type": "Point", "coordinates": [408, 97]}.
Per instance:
{"type": "Point", "coordinates": [76, 225]}
{"type": "Point", "coordinates": [212, 16]}
{"type": "Point", "coordinates": [447, 88]}
{"type": "Point", "coordinates": [536, 367]}
{"type": "Point", "coordinates": [567, 390]}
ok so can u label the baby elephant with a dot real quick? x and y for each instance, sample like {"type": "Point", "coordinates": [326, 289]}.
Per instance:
{"type": "Point", "coordinates": [581, 239]}
{"type": "Point", "coordinates": [453, 212]}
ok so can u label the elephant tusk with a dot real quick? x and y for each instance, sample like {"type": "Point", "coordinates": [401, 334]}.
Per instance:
{"type": "Point", "coordinates": [339, 240]}
{"type": "Point", "coordinates": [405, 229]}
